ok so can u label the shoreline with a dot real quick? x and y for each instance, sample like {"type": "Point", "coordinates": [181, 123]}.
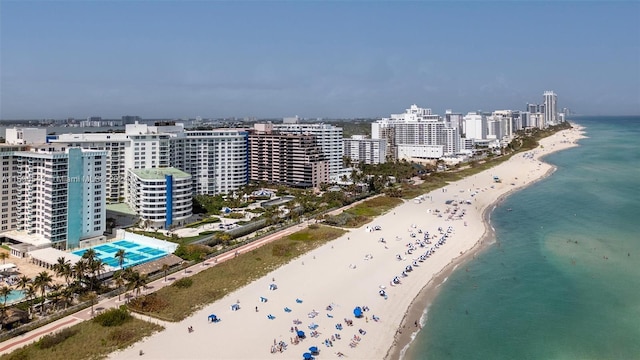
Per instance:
{"type": "Point", "coordinates": [350, 271]}
{"type": "Point", "coordinates": [421, 303]}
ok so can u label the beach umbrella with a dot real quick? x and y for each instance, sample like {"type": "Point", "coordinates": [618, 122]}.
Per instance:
{"type": "Point", "coordinates": [307, 356]}
{"type": "Point", "coordinates": [357, 312]}
{"type": "Point", "coordinates": [314, 350]}
{"type": "Point", "coordinates": [301, 334]}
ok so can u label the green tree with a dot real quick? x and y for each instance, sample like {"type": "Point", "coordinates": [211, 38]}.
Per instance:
{"type": "Point", "coordinates": [121, 256]}
{"type": "Point", "coordinates": [42, 281]}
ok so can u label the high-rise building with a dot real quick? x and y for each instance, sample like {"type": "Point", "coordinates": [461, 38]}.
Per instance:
{"type": "Point", "coordinates": [475, 125]}
{"type": "Point", "coordinates": [328, 137]}
{"type": "Point", "coordinates": [418, 133]}
{"type": "Point", "coordinates": [160, 196]}
{"type": "Point", "coordinates": [54, 193]}
{"type": "Point", "coordinates": [550, 108]}
{"type": "Point", "coordinates": [369, 151]}
{"type": "Point", "coordinates": [288, 159]}
{"type": "Point", "coordinates": [217, 160]}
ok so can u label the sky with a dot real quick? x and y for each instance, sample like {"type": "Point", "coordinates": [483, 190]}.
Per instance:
{"type": "Point", "coordinates": [330, 59]}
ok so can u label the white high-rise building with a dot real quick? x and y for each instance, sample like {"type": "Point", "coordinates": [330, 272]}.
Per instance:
{"type": "Point", "coordinates": [216, 159]}
{"type": "Point", "coordinates": [53, 193]}
{"type": "Point", "coordinates": [328, 137]}
{"type": "Point", "coordinates": [475, 126]}
{"type": "Point", "coordinates": [163, 197]}
{"type": "Point", "coordinates": [550, 108]}
{"type": "Point", "coordinates": [419, 133]}
{"type": "Point", "coordinates": [370, 151]}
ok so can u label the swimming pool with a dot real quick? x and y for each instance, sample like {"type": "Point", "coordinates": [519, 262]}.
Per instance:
{"type": "Point", "coordinates": [135, 253]}
{"type": "Point", "coordinates": [15, 296]}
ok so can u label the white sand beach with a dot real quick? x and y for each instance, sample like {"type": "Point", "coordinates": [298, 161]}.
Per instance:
{"type": "Point", "coordinates": [349, 272]}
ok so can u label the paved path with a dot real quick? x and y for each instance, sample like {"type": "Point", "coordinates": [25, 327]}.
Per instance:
{"type": "Point", "coordinates": [85, 314]}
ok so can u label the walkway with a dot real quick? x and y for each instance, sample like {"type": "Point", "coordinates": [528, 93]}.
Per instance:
{"type": "Point", "coordinates": [85, 314]}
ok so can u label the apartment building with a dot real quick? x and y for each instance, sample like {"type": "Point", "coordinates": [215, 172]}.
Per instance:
{"type": "Point", "coordinates": [161, 196]}
{"type": "Point", "coordinates": [53, 193]}
{"type": "Point", "coordinates": [358, 148]}
{"type": "Point", "coordinates": [217, 159]}
{"type": "Point", "coordinates": [327, 136]}
{"type": "Point", "coordinates": [295, 160]}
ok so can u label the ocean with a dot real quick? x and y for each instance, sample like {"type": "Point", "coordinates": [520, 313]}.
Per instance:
{"type": "Point", "coordinates": [562, 280]}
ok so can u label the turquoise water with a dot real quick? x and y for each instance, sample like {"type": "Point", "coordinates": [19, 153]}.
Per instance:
{"type": "Point", "coordinates": [563, 279]}
{"type": "Point", "coordinates": [135, 253]}
{"type": "Point", "coordinates": [16, 295]}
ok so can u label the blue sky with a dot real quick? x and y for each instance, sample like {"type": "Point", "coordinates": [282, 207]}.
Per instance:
{"type": "Point", "coordinates": [174, 59]}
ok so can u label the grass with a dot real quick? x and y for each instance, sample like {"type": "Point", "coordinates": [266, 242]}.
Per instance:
{"type": "Point", "coordinates": [209, 220]}
{"type": "Point", "coordinates": [161, 236]}
{"type": "Point", "coordinates": [365, 212]}
{"type": "Point", "coordinates": [216, 282]}
{"type": "Point", "coordinates": [87, 340]}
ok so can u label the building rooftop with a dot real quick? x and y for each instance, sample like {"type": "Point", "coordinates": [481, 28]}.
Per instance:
{"type": "Point", "coordinates": [159, 173]}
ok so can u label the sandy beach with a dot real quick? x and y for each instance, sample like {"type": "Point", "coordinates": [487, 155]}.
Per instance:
{"type": "Point", "coordinates": [319, 291]}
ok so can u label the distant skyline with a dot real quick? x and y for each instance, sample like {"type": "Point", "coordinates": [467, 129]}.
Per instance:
{"type": "Point", "coordinates": [170, 59]}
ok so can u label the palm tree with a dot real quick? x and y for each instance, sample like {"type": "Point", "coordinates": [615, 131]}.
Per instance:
{"type": "Point", "coordinates": [90, 255]}
{"type": "Point", "coordinates": [79, 270]}
{"type": "Point", "coordinates": [118, 277]}
{"type": "Point", "coordinates": [5, 291]}
{"type": "Point", "coordinates": [96, 267]}
{"type": "Point", "coordinates": [67, 272]}
{"type": "Point", "coordinates": [59, 267]}
{"type": "Point", "coordinates": [165, 268]}
{"type": "Point", "coordinates": [136, 281]}
{"type": "Point", "coordinates": [120, 255]}
{"type": "Point", "coordinates": [67, 296]}
{"type": "Point", "coordinates": [92, 297]}
{"type": "Point", "coordinates": [30, 292]}
{"type": "Point", "coordinates": [23, 281]}
{"type": "Point", "coordinates": [41, 282]}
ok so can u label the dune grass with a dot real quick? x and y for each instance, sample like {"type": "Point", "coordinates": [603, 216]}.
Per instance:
{"type": "Point", "coordinates": [87, 340]}
{"type": "Point", "coordinates": [364, 212]}
{"type": "Point", "coordinates": [173, 303]}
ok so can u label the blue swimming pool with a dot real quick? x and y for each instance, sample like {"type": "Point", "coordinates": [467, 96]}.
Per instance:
{"type": "Point", "coordinates": [15, 296]}
{"type": "Point", "coordinates": [135, 253]}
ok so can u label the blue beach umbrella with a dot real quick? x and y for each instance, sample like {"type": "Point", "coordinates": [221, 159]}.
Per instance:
{"type": "Point", "coordinates": [357, 312]}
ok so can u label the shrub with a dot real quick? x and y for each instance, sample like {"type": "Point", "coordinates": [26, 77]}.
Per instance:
{"type": "Point", "coordinates": [235, 215]}
{"type": "Point", "coordinates": [121, 336]}
{"type": "Point", "coordinates": [313, 226]}
{"type": "Point", "coordinates": [183, 283]}
{"type": "Point", "coordinates": [148, 303]}
{"type": "Point", "coordinates": [113, 317]}
{"type": "Point", "coordinates": [56, 338]}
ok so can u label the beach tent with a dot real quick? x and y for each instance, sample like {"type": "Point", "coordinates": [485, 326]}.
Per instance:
{"type": "Point", "coordinates": [213, 318]}
{"type": "Point", "coordinates": [314, 350]}
{"type": "Point", "coordinates": [357, 312]}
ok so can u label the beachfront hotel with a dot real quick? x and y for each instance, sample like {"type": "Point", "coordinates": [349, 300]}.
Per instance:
{"type": "Point", "coordinates": [294, 160]}
{"type": "Point", "coordinates": [160, 196]}
{"type": "Point", "coordinates": [418, 134]}
{"type": "Point", "coordinates": [51, 195]}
